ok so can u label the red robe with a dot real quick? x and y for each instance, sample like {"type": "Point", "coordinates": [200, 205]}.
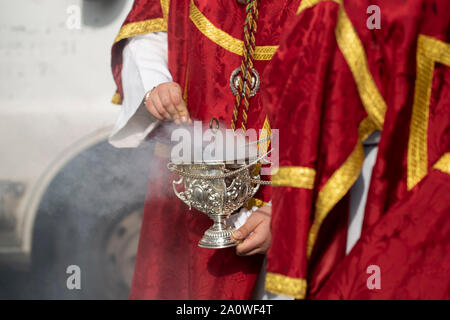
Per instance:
{"type": "Point", "coordinates": [204, 48]}
{"type": "Point", "coordinates": [340, 81]}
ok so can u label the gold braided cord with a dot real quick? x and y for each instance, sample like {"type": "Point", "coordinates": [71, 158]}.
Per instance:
{"type": "Point", "coordinates": [429, 51]}
{"type": "Point", "coordinates": [294, 176]}
{"type": "Point", "coordinates": [287, 286]}
{"type": "Point", "coordinates": [443, 164]}
{"type": "Point", "coordinates": [223, 39]}
{"type": "Point", "coordinates": [242, 98]}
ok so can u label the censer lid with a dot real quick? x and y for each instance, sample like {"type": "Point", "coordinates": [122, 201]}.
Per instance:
{"type": "Point", "coordinates": [219, 146]}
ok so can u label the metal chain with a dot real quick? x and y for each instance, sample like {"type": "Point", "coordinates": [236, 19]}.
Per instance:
{"type": "Point", "coordinates": [182, 173]}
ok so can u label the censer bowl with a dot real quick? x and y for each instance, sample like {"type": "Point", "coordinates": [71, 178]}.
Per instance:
{"type": "Point", "coordinates": [216, 189]}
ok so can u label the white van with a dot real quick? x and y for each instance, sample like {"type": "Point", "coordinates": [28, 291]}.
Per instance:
{"type": "Point", "coordinates": [66, 196]}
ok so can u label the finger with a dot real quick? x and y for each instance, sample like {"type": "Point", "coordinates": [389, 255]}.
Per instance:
{"type": "Point", "coordinates": [178, 102]}
{"type": "Point", "coordinates": [159, 106]}
{"type": "Point", "coordinates": [248, 227]}
{"type": "Point", "coordinates": [252, 252]}
{"type": "Point", "coordinates": [151, 108]}
{"type": "Point", "coordinates": [184, 113]}
{"type": "Point", "coordinates": [175, 93]}
{"type": "Point", "coordinates": [166, 101]}
{"type": "Point", "coordinates": [254, 241]}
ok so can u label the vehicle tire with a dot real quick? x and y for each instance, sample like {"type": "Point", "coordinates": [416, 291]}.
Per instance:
{"type": "Point", "coordinates": [90, 217]}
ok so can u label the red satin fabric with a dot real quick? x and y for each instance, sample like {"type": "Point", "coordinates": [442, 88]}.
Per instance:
{"type": "Point", "coordinates": [169, 263]}
{"type": "Point", "coordinates": [410, 245]}
{"type": "Point", "coordinates": [316, 106]}
{"type": "Point", "coordinates": [142, 10]}
{"type": "Point", "coordinates": [324, 109]}
{"type": "Point", "coordinates": [395, 69]}
{"type": "Point", "coordinates": [405, 233]}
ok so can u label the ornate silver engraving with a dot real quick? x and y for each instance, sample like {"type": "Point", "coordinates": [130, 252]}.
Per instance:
{"type": "Point", "coordinates": [216, 197]}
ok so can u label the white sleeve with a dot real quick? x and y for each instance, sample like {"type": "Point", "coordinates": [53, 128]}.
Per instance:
{"type": "Point", "coordinates": [144, 67]}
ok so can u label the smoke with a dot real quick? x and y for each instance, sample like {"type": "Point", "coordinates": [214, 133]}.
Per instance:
{"type": "Point", "coordinates": [198, 142]}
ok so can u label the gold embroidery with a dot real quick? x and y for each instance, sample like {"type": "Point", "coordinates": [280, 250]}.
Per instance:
{"type": "Point", "coordinates": [254, 202]}
{"type": "Point", "coordinates": [147, 26]}
{"type": "Point", "coordinates": [165, 9]}
{"type": "Point", "coordinates": [353, 51]}
{"type": "Point", "coordinates": [429, 51]}
{"type": "Point", "coordinates": [141, 27]}
{"type": "Point", "coordinates": [263, 149]}
{"type": "Point", "coordinates": [340, 182]}
{"type": "Point", "coordinates": [343, 178]}
{"type": "Point", "coordinates": [298, 177]}
{"type": "Point", "coordinates": [265, 132]}
{"type": "Point", "coordinates": [292, 287]}
{"type": "Point", "coordinates": [443, 164]}
{"type": "Point", "coordinates": [223, 39]}
{"type": "Point", "coordinates": [116, 99]}
{"type": "Point", "coordinates": [365, 129]}
{"type": "Point", "coordinates": [305, 4]}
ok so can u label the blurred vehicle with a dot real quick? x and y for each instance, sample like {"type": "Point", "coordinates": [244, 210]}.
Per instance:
{"type": "Point", "coordinates": [66, 196]}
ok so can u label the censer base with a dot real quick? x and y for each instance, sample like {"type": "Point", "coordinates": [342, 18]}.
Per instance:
{"type": "Point", "coordinates": [206, 245]}
{"type": "Point", "coordinates": [218, 237]}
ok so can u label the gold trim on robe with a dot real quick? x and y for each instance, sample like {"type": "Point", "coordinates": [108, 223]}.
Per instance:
{"type": "Point", "coordinates": [116, 99]}
{"type": "Point", "coordinates": [223, 39]}
{"type": "Point", "coordinates": [294, 176]}
{"type": "Point", "coordinates": [305, 4]}
{"type": "Point", "coordinates": [280, 284]}
{"type": "Point", "coordinates": [141, 27]}
{"type": "Point", "coordinates": [443, 164]}
{"type": "Point", "coordinates": [353, 51]}
{"type": "Point", "coordinates": [343, 178]}
{"type": "Point", "coordinates": [429, 51]}
{"type": "Point", "coordinates": [334, 190]}
{"type": "Point", "coordinates": [147, 26]}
